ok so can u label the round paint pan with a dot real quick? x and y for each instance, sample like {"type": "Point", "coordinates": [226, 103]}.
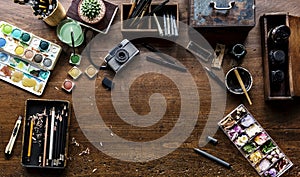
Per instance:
{"type": "Point", "coordinates": [3, 57]}
{"type": "Point", "coordinates": [25, 37]}
{"type": "Point", "coordinates": [2, 42]}
{"type": "Point", "coordinates": [7, 29]}
{"type": "Point", "coordinates": [19, 50]}
{"type": "Point", "coordinates": [47, 62]}
{"type": "Point", "coordinates": [28, 54]}
{"type": "Point", "coordinates": [38, 58]}
{"type": "Point", "coordinates": [16, 33]}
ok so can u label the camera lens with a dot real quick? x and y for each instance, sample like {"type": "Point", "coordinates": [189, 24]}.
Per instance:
{"type": "Point", "coordinates": [122, 56]}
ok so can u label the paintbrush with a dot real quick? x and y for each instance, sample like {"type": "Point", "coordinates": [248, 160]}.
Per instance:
{"type": "Point", "coordinates": [72, 39]}
{"type": "Point", "coordinates": [141, 20]}
{"type": "Point", "coordinates": [132, 8]}
{"type": "Point", "coordinates": [139, 8]}
{"type": "Point", "coordinates": [242, 85]}
{"type": "Point", "coordinates": [157, 8]}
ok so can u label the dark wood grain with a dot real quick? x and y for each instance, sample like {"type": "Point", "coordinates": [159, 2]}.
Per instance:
{"type": "Point", "coordinates": [280, 119]}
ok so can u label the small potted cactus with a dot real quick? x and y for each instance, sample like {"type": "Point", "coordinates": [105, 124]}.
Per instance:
{"type": "Point", "coordinates": [91, 11]}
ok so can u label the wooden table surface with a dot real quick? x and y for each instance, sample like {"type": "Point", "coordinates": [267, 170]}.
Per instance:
{"type": "Point", "coordinates": [280, 120]}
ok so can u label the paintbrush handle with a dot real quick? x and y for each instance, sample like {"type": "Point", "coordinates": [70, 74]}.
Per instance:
{"type": "Point", "coordinates": [242, 85]}
{"type": "Point", "coordinates": [131, 9]}
{"type": "Point", "coordinates": [73, 43]}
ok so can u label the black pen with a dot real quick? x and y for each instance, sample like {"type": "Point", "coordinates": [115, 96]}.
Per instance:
{"type": "Point", "coordinates": [211, 157]}
{"type": "Point", "coordinates": [166, 64]}
{"type": "Point", "coordinates": [216, 78]}
{"type": "Point", "coordinates": [13, 137]}
{"type": "Point", "coordinates": [158, 52]}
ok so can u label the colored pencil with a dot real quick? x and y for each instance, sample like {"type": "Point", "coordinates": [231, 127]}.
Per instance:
{"type": "Point", "coordinates": [30, 138]}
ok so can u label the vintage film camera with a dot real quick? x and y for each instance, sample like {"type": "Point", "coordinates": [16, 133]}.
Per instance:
{"type": "Point", "coordinates": [119, 56]}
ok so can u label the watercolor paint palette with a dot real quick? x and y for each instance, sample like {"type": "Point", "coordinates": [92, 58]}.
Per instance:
{"type": "Point", "coordinates": [28, 47]}
{"type": "Point", "coordinates": [255, 143]}
{"type": "Point", "coordinates": [23, 74]}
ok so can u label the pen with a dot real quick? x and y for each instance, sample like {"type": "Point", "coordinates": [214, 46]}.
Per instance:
{"type": "Point", "coordinates": [216, 78]}
{"type": "Point", "coordinates": [211, 157]}
{"type": "Point", "coordinates": [13, 137]}
{"type": "Point", "coordinates": [157, 52]}
{"type": "Point", "coordinates": [166, 64]}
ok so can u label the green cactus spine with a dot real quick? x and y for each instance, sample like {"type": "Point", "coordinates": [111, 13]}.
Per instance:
{"type": "Point", "coordinates": [91, 8]}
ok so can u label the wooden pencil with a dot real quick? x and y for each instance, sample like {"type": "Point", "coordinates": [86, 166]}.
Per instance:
{"type": "Point", "coordinates": [45, 142]}
{"type": "Point", "coordinates": [30, 138]}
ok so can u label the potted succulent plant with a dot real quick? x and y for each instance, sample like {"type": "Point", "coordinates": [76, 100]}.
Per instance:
{"type": "Point", "coordinates": [91, 11]}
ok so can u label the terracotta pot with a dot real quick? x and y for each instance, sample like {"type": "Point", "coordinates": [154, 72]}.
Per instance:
{"type": "Point", "coordinates": [97, 18]}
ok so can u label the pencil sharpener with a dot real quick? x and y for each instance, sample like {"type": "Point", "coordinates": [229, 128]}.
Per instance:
{"type": "Point", "coordinates": [232, 83]}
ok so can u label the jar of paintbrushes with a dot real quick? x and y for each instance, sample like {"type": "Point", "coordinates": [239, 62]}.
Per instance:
{"type": "Point", "coordinates": [51, 12]}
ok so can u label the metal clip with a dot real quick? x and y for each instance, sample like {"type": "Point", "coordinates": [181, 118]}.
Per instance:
{"type": "Point", "coordinates": [214, 5]}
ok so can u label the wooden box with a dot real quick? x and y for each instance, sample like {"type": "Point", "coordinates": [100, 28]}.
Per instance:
{"type": "Point", "coordinates": [45, 133]}
{"type": "Point", "coordinates": [290, 87]}
{"type": "Point", "coordinates": [227, 21]}
{"type": "Point", "coordinates": [149, 25]}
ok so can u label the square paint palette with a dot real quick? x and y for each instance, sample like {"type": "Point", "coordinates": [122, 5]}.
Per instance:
{"type": "Point", "coordinates": [254, 143]}
{"type": "Point", "coordinates": [23, 74]}
{"type": "Point", "coordinates": [28, 47]}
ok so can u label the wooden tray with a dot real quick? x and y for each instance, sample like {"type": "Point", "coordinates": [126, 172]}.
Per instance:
{"type": "Point", "coordinates": [291, 85]}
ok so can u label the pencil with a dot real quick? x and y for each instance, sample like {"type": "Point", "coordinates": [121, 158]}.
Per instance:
{"type": "Point", "coordinates": [51, 133]}
{"type": "Point", "coordinates": [30, 138]}
{"type": "Point", "coordinates": [45, 142]}
{"type": "Point", "coordinates": [242, 85]}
